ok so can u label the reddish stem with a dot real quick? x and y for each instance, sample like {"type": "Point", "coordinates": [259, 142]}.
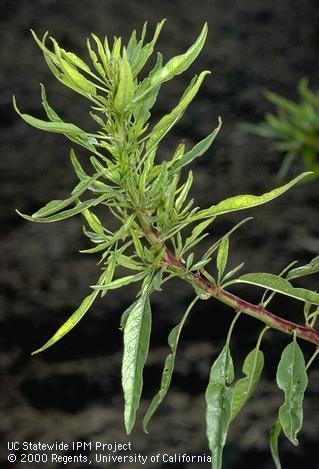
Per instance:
{"type": "Point", "coordinates": [276, 322]}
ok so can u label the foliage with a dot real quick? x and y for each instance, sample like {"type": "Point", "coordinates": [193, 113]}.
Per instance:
{"type": "Point", "coordinates": [158, 227]}
{"type": "Point", "coordinates": [295, 128]}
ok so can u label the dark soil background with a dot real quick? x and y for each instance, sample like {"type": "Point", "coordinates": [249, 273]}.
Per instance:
{"type": "Point", "coordinates": [72, 392]}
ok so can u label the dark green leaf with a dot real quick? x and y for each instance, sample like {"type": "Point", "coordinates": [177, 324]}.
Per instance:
{"type": "Point", "coordinates": [244, 388]}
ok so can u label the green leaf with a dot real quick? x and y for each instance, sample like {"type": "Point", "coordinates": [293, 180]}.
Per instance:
{"type": "Point", "coordinates": [93, 222]}
{"type": "Point", "coordinates": [308, 269]}
{"type": "Point", "coordinates": [280, 285]}
{"type": "Point", "coordinates": [197, 231]}
{"type": "Point", "coordinates": [56, 127]}
{"type": "Point", "coordinates": [222, 257]}
{"type": "Point", "coordinates": [65, 214]}
{"type": "Point", "coordinates": [167, 373]}
{"type": "Point", "coordinates": [292, 379]}
{"type": "Point", "coordinates": [142, 107]}
{"type": "Point", "coordinates": [198, 149]}
{"type": "Point", "coordinates": [70, 323]}
{"type": "Point", "coordinates": [57, 205]}
{"type": "Point", "coordinates": [125, 90]}
{"type": "Point", "coordinates": [120, 282]}
{"type": "Point", "coordinates": [140, 54]}
{"type": "Point", "coordinates": [77, 315]}
{"type": "Point", "coordinates": [219, 401]}
{"type": "Point", "coordinates": [165, 124]}
{"type": "Point", "coordinates": [244, 388]}
{"type": "Point", "coordinates": [241, 202]}
{"type": "Point", "coordinates": [180, 63]}
{"type": "Point", "coordinates": [136, 344]}
{"type": "Point", "coordinates": [184, 191]}
{"type": "Point", "coordinates": [273, 443]}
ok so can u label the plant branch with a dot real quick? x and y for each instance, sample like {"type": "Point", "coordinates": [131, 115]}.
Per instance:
{"type": "Point", "coordinates": [256, 311]}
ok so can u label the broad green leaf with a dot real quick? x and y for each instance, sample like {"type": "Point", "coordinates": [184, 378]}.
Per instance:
{"type": "Point", "coordinates": [244, 388]}
{"type": "Point", "coordinates": [219, 401]}
{"type": "Point", "coordinates": [273, 443]}
{"type": "Point", "coordinates": [308, 269]}
{"type": "Point", "coordinates": [180, 63]}
{"type": "Point", "coordinates": [222, 257]}
{"type": "Point", "coordinates": [125, 90]}
{"type": "Point", "coordinates": [167, 373]}
{"type": "Point", "coordinates": [280, 285]}
{"type": "Point", "coordinates": [56, 127]}
{"type": "Point", "coordinates": [136, 344]}
{"type": "Point", "coordinates": [164, 125]}
{"type": "Point", "coordinates": [241, 202]}
{"type": "Point", "coordinates": [66, 213]}
{"type": "Point", "coordinates": [292, 379]}
{"type": "Point", "coordinates": [198, 149]}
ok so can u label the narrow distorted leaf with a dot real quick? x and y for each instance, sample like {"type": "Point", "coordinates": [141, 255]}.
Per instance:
{"type": "Point", "coordinates": [163, 126]}
{"type": "Point", "coordinates": [222, 256]}
{"type": "Point", "coordinates": [218, 405]}
{"type": "Point", "coordinates": [241, 202]}
{"type": "Point", "coordinates": [125, 90]}
{"type": "Point", "coordinates": [59, 127]}
{"type": "Point", "coordinates": [180, 63]}
{"type": "Point", "coordinates": [136, 343]}
{"type": "Point", "coordinates": [292, 379]}
{"type": "Point", "coordinates": [120, 282]}
{"type": "Point", "coordinates": [70, 323]}
{"type": "Point", "coordinates": [167, 373]}
{"type": "Point", "coordinates": [58, 205]}
{"type": "Point", "coordinates": [198, 149]}
{"type": "Point", "coordinates": [280, 285]}
{"type": "Point", "coordinates": [244, 388]}
{"type": "Point", "coordinates": [76, 316]}
{"type": "Point", "coordinates": [273, 443]}
{"type": "Point", "coordinates": [66, 213]}
{"type": "Point", "coordinates": [308, 269]}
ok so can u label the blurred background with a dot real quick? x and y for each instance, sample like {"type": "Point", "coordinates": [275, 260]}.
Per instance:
{"type": "Point", "coordinates": [72, 392]}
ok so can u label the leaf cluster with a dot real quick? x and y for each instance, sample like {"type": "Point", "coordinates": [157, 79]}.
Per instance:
{"type": "Point", "coordinates": [294, 128]}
